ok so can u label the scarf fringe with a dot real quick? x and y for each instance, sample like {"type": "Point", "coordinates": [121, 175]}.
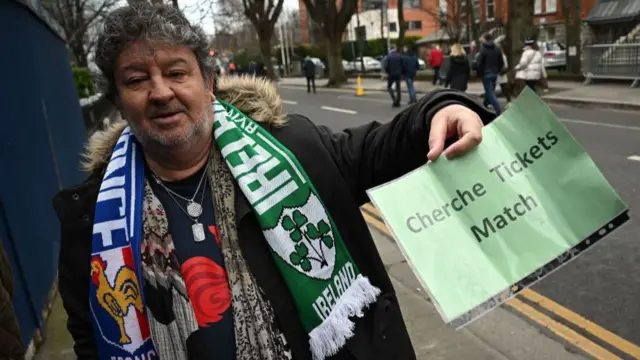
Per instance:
{"type": "Point", "coordinates": [330, 336]}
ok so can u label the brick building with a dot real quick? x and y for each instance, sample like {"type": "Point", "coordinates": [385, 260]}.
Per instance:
{"type": "Point", "coordinates": [420, 16]}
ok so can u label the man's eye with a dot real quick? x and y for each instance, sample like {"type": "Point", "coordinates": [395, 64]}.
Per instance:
{"type": "Point", "coordinates": [177, 74]}
{"type": "Point", "coordinates": [135, 80]}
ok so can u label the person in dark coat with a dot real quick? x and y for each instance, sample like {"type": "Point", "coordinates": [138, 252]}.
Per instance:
{"type": "Point", "coordinates": [489, 65]}
{"type": "Point", "coordinates": [309, 68]}
{"type": "Point", "coordinates": [459, 69]}
{"type": "Point", "coordinates": [10, 341]}
{"type": "Point", "coordinates": [394, 67]}
{"type": "Point", "coordinates": [174, 311]}
{"type": "Point", "coordinates": [411, 67]}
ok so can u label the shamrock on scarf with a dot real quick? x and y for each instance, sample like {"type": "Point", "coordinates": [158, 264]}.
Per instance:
{"type": "Point", "coordinates": [295, 224]}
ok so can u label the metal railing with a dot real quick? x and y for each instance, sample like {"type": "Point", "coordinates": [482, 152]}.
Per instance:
{"type": "Point", "coordinates": [612, 61]}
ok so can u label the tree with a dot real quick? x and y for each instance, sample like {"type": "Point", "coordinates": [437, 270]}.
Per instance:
{"type": "Point", "coordinates": [174, 3]}
{"type": "Point", "coordinates": [264, 15]}
{"type": "Point", "coordinates": [518, 27]}
{"type": "Point", "coordinates": [452, 19]}
{"type": "Point", "coordinates": [572, 25]}
{"type": "Point", "coordinates": [402, 25]}
{"type": "Point", "coordinates": [333, 22]}
{"type": "Point", "coordinates": [78, 19]}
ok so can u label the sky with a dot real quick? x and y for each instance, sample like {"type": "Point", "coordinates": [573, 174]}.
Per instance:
{"type": "Point", "coordinates": [199, 12]}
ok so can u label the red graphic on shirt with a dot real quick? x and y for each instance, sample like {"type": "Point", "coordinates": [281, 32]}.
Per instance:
{"type": "Point", "coordinates": [207, 288]}
{"type": "Point", "coordinates": [214, 231]}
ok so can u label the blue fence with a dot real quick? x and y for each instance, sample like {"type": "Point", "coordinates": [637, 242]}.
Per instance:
{"type": "Point", "coordinates": [40, 141]}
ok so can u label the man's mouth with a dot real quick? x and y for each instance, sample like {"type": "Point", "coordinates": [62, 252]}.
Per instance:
{"type": "Point", "coordinates": [167, 117]}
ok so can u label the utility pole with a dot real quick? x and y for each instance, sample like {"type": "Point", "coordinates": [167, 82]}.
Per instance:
{"type": "Point", "coordinates": [282, 56]}
{"type": "Point", "coordinates": [360, 41]}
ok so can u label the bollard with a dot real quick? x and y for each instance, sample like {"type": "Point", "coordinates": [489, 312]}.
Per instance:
{"type": "Point", "coordinates": [359, 89]}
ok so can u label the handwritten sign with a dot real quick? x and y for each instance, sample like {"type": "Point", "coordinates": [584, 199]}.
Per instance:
{"type": "Point", "coordinates": [478, 229]}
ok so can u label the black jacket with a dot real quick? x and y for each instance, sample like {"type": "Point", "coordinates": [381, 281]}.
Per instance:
{"type": "Point", "coordinates": [394, 64]}
{"type": "Point", "coordinates": [410, 65]}
{"type": "Point", "coordinates": [309, 68]}
{"type": "Point", "coordinates": [342, 166]}
{"type": "Point", "coordinates": [10, 341]}
{"type": "Point", "coordinates": [490, 60]}
{"type": "Point", "coordinates": [458, 73]}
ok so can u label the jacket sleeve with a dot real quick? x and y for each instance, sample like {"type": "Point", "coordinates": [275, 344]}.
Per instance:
{"type": "Point", "coordinates": [525, 59]}
{"type": "Point", "coordinates": [73, 279]}
{"type": "Point", "coordinates": [480, 63]}
{"type": "Point", "coordinates": [372, 154]}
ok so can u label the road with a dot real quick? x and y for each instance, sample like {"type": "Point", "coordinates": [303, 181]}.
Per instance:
{"type": "Point", "coordinates": [603, 285]}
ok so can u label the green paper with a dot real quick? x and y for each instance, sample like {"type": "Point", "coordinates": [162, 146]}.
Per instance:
{"type": "Point", "coordinates": [479, 228]}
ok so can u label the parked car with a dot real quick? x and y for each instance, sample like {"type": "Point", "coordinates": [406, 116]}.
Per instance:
{"type": "Point", "coordinates": [319, 67]}
{"type": "Point", "coordinates": [347, 66]}
{"type": "Point", "coordinates": [554, 55]}
{"type": "Point", "coordinates": [370, 64]}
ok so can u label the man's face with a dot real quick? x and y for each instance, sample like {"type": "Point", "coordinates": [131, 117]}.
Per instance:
{"type": "Point", "coordinates": [162, 94]}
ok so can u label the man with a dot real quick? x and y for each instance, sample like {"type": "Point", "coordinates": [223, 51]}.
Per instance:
{"type": "Point", "coordinates": [489, 65]}
{"type": "Point", "coordinates": [205, 233]}
{"type": "Point", "coordinates": [394, 67]}
{"type": "Point", "coordinates": [436, 58]}
{"type": "Point", "coordinates": [10, 342]}
{"type": "Point", "coordinates": [411, 67]}
{"type": "Point", "coordinates": [309, 68]}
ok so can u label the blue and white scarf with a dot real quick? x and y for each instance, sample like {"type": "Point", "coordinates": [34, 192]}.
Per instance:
{"type": "Point", "coordinates": [116, 298]}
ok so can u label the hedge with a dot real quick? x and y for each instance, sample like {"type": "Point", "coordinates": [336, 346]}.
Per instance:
{"type": "Point", "coordinates": [84, 81]}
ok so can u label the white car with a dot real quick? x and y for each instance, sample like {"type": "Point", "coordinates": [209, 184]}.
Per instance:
{"type": "Point", "coordinates": [347, 66]}
{"type": "Point", "coordinates": [370, 64]}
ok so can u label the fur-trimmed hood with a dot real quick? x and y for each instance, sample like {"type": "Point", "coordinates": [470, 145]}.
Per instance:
{"type": "Point", "coordinates": [256, 97]}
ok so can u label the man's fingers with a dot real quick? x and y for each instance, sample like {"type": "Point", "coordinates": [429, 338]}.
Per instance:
{"type": "Point", "coordinates": [437, 135]}
{"type": "Point", "coordinates": [467, 142]}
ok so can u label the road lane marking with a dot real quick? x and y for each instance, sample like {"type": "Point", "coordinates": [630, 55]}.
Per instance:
{"type": "Point", "coordinates": [345, 111]}
{"type": "Point", "coordinates": [601, 333]}
{"type": "Point", "coordinates": [634, 158]}
{"type": "Point", "coordinates": [290, 102]}
{"type": "Point", "coordinates": [374, 218]}
{"type": "Point", "coordinates": [564, 332]}
{"type": "Point", "coordinates": [364, 99]}
{"type": "Point", "coordinates": [615, 126]}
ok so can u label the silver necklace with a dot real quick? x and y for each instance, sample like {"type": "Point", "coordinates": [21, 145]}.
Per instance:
{"type": "Point", "coordinates": [194, 209]}
{"type": "Point", "coordinates": [197, 228]}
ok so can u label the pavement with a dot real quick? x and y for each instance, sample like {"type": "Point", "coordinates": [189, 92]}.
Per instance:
{"type": "Point", "coordinates": [587, 309]}
{"type": "Point", "coordinates": [616, 96]}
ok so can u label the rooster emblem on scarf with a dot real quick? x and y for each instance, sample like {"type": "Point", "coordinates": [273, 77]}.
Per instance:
{"type": "Point", "coordinates": [117, 299]}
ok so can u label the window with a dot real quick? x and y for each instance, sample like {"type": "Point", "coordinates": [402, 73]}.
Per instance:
{"type": "Point", "coordinates": [442, 4]}
{"type": "Point", "coordinates": [414, 25]}
{"type": "Point", "coordinates": [552, 6]}
{"type": "Point", "coordinates": [537, 7]}
{"type": "Point", "coordinates": [413, 4]}
{"type": "Point", "coordinates": [490, 9]}
{"type": "Point", "coordinates": [392, 27]}
{"type": "Point", "coordinates": [476, 10]}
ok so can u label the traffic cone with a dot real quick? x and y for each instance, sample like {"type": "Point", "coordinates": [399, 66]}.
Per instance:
{"type": "Point", "coordinates": [359, 89]}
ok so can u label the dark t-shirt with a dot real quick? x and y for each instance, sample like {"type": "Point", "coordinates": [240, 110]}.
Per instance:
{"type": "Point", "coordinates": [202, 268]}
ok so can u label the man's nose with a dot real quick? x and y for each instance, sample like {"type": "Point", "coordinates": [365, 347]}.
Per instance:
{"type": "Point", "coordinates": [160, 91]}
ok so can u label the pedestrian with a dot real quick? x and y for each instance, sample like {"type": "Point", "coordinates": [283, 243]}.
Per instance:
{"type": "Point", "coordinates": [436, 58]}
{"type": "Point", "coordinates": [209, 229]}
{"type": "Point", "coordinates": [459, 69]}
{"type": "Point", "coordinates": [530, 68]}
{"type": "Point", "coordinates": [489, 65]}
{"type": "Point", "coordinates": [10, 340]}
{"type": "Point", "coordinates": [503, 78]}
{"type": "Point", "coordinates": [394, 67]}
{"type": "Point", "coordinates": [410, 67]}
{"type": "Point", "coordinates": [309, 68]}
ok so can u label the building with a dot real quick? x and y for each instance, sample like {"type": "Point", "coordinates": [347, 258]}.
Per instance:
{"type": "Point", "coordinates": [421, 17]}
{"type": "Point", "coordinates": [605, 20]}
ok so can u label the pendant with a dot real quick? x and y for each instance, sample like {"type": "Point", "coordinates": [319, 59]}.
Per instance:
{"type": "Point", "coordinates": [198, 232]}
{"type": "Point", "coordinates": [194, 209]}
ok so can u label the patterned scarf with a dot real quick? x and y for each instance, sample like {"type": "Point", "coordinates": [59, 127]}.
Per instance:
{"type": "Point", "coordinates": [131, 242]}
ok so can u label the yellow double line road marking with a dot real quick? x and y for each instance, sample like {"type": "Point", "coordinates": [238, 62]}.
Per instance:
{"type": "Point", "coordinates": [373, 217]}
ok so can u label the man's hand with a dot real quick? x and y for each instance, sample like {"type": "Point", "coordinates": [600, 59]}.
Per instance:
{"type": "Point", "coordinates": [454, 120]}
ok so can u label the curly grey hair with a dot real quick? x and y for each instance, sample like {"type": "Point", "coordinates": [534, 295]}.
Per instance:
{"type": "Point", "coordinates": [158, 23]}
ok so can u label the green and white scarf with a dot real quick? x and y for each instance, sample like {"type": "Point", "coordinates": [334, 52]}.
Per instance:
{"type": "Point", "coordinates": [307, 247]}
